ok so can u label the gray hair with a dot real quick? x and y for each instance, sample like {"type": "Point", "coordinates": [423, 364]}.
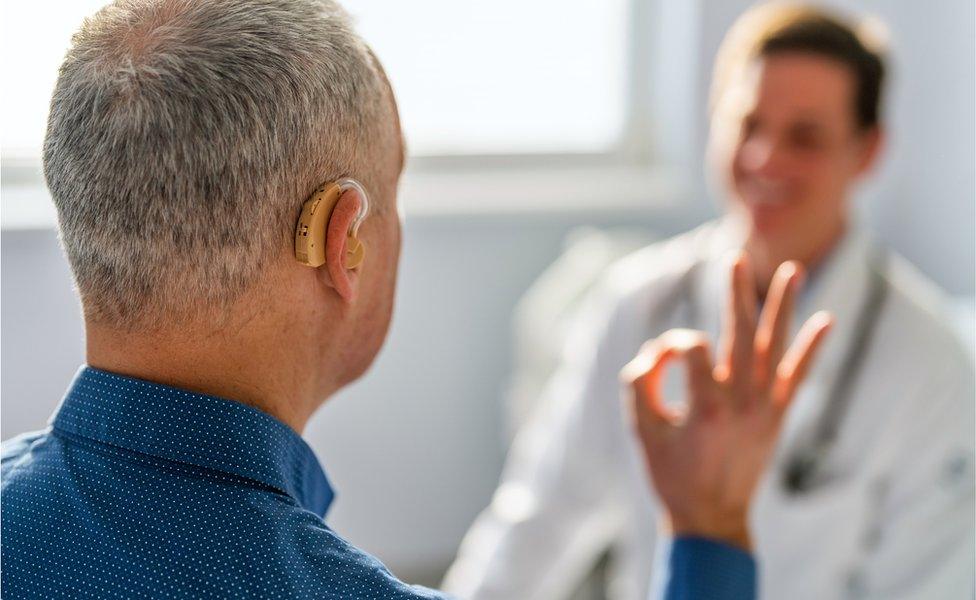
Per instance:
{"type": "Point", "coordinates": [184, 136]}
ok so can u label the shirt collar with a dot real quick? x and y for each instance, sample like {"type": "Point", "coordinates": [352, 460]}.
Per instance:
{"type": "Point", "coordinates": [205, 431]}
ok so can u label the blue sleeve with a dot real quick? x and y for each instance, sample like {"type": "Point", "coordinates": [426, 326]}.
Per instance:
{"type": "Point", "coordinates": [702, 569]}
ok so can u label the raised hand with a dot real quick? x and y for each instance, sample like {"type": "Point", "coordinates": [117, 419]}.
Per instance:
{"type": "Point", "coordinates": [706, 458]}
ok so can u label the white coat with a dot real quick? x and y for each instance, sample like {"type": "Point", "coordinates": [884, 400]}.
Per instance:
{"type": "Point", "coordinates": [892, 518]}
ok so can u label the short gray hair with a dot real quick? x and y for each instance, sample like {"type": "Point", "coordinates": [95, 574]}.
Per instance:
{"type": "Point", "coordinates": [184, 136]}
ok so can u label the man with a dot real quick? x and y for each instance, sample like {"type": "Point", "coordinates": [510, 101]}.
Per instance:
{"type": "Point", "coordinates": [871, 491]}
{"type": "Point", "coordinates": [185, 141]}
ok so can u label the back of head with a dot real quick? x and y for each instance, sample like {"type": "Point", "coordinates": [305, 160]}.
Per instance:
{"type": "Point", "coordinates": [777, 27]}
{"type": "Point", "coordinates": [184, 136]}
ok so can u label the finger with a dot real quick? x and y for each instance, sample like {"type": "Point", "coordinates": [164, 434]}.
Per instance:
{"type": "Point", "coordinates": [793, 369]}
{"type": "Point", "coordinates": [723, 367]}
{"type": "Point", "coordinates": [694, 349]}
{"type": "Point", "coordinates": [776, 321]}
{"type": "Point", "coordinates": [642, 376]}
{"type": "Point", "coordinates": [740, 328]}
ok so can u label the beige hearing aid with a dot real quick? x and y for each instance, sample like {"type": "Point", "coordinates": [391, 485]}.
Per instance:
{"type": "Point", "coordinates": [312, 225]}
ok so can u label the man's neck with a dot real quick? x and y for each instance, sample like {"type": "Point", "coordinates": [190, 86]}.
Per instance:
{"type": "Point", "coordinates": [768, 256]}
{"type": "Point", "coordinates": [246, 370]}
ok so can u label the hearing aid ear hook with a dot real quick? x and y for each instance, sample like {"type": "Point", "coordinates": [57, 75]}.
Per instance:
{"type": "Point", "coordinates": [310, 233]}
{"type": "Point", "coordinates": [355, 250]}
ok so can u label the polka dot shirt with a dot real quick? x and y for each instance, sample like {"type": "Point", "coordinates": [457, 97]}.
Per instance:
{"type": "Point", "coordinates": [703, 569]}
{"type": "Point", "coordinates": [139, 490]}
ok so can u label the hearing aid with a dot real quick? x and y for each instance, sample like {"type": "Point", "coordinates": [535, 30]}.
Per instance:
{"type": "Point", "coordinates": [313, 223]}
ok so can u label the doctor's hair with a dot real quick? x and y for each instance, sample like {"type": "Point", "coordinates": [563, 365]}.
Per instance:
{"type": "Point", "coordinates": [775, 28]}
{"type": "Point", "coordinates": [184, 137]}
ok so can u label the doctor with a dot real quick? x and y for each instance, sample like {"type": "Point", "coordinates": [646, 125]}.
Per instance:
{"type": "Point", "coordinates": [871, 493]}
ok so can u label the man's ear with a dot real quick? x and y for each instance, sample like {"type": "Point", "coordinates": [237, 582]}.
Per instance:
{"type": "Point", "coordinates": [340, 224]}
{"type": "Point", "coordinates": [872, 144]}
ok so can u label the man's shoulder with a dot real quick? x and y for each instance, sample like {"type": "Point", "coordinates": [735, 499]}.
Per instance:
{"type": "Point", "coordinates": [15, 453]}
{"type": "Point", "coordinates": [635, 286]}
{"type": "Point", "coordinates": [20, 444]}
{"type": "Point", "coordinates": [918, 358]}
{"type": "Point", "coordinates": [324, 563]}
{"type": "Point", "coordinates": [648, 274]}
{"type": "Point", "coordinates": [918, 311]}
{"type": "Point", "coordinates": [69, 505]}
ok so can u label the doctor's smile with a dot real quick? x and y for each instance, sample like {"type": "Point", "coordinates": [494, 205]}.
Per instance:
{"type": "Point", "coordinates": [689, 317]}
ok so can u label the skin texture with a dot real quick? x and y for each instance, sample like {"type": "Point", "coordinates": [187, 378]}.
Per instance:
{"type": "Point", "coordinates": [300, 333]}
{"type": "Point", "coordinates": [706, 461]}
{"type": "Point", "coordinates": [788, 151]}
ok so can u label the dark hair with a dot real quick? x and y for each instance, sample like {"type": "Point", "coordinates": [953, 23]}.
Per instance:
{"type": "Point", "coordinates": [771, 29]}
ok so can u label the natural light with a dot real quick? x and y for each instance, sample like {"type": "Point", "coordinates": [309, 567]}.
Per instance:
{"type": "Point", "coordinates": [471, 78]}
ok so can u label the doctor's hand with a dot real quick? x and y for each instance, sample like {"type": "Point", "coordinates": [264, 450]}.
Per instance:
{"type": "Point", "coordinates": [706, 458]}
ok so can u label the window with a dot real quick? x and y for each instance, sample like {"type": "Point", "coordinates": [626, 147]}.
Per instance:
{"type": "Point", "coordinates": [503, 77]}
{"type": "Point", "coordinates": [35, 38]}
{"type": "Point", "coordinates": [500, 77]}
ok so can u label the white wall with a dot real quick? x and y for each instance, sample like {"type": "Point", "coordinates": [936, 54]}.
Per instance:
{"type": "Point", "coordinates": [415, 448]}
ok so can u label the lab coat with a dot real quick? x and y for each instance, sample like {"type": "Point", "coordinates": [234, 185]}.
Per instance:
{"type": "Point", "coordinates": [893, 517]}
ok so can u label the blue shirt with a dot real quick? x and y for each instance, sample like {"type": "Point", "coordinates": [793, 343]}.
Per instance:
{"type": "Point", "coordinates": [140, 490]}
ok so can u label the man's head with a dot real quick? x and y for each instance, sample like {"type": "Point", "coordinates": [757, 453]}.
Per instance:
{"type": "Point", "coordinates": [183, 140]}
{"type": "Point", "coordinates": [795, 123]}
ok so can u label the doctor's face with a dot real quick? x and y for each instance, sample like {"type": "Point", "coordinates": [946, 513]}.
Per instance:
{"type": "Point", "coordinates": [786, 144]}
